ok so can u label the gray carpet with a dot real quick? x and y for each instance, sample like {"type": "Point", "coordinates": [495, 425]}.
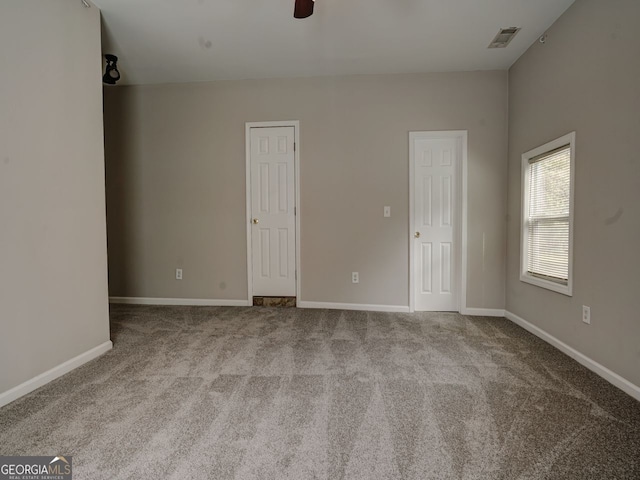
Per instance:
{"type": "Point", "coordinates": [263, 393]}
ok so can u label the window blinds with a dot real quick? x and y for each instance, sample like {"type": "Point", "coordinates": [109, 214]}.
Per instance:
{"type": "Point", "coordinates": [548, 220]}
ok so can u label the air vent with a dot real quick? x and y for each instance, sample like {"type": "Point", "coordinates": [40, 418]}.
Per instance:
{"type": "Point", "coordinates": [504, 36]}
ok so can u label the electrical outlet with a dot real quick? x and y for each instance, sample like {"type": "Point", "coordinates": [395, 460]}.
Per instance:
{"type": "Point", "coordinates": [355, 277]}
{"type": "Point", "coordinates": [586, 314]}
{"type": "Point", "coordinates": [387, 211]}
{"type": "Point", "coordinates": [178, 274]}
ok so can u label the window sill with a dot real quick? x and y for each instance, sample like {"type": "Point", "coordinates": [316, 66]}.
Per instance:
{"type": "Point", "coordinates": [554, 287]}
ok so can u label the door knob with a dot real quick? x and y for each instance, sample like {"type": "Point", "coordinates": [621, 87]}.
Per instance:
{"type": "Point", "coordinates": [417, 234]}
{"type": "Point", "coordinates": [255, 221]}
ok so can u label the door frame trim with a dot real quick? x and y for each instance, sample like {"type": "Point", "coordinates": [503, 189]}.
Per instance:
{"type": "Point", "coordinates": [461, 214]}
{"type": "Point", "coordinates": [296, 138]}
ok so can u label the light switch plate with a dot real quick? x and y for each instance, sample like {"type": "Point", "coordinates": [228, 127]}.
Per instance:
{"type": "Point", "coordinates": [387, 211]}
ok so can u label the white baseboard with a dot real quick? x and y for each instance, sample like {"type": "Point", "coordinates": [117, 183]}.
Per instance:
{"type": "Point", "coordinates": [180, 301]}
{"type": "Point", "coordinates": [483, 312]}
{"type": "Point", "coordinates": [354, 306]}
{"type": "Point", "coordinates": [44, 378]}
{"type": "Point", "coordinates": [611, 377]}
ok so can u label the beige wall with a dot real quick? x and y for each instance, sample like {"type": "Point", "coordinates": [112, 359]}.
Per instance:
{"type": "Point", "coordinates": [176, 182]}
{"type": "Point", "coordinates": [53, 275]}
{"type": "Point", "coordinates": [586, 78]}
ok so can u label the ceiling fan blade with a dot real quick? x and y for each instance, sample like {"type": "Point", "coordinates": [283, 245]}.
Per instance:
{"type": "Point", "coordinates": [303, 8]}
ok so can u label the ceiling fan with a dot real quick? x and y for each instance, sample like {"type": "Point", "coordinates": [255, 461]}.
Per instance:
{"type": "Point", "coordinates": [303, 8]}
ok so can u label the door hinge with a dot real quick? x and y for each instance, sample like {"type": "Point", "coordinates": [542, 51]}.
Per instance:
{"type": "Point", "coordinates": [295, 211]}
{"type": "Point", "coordinates": [294, 146]}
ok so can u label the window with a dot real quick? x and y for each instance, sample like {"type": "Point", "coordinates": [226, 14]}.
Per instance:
{"type": "Point", "coordinates": [547, 215]}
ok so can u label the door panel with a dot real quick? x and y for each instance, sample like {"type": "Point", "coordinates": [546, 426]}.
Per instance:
{"type": "Point", "coordinates": [425, 263]}
{"type": "Point", "coordinates": [434, 221]}
{"type": "Point", "coordinates": [272, 211]}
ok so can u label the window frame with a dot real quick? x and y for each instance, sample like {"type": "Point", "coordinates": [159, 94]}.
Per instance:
{"type": "Point", "coordinates": [568, 139]}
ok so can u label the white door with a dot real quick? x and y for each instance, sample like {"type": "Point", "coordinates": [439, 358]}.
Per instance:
{"type": "Point", "coordinates": [434, 259]}
{"type": "Point", "coordinates": [273, 240]}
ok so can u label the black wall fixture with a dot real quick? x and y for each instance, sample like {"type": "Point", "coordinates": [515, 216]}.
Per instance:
{"type": "Point", "coordinates": [303, 8]}
{"type": "Point", "coordinates": [111, 74]}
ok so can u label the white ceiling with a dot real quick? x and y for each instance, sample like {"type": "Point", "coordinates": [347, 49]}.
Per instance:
{"type": "Point", "coordinates": [167, 41]}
